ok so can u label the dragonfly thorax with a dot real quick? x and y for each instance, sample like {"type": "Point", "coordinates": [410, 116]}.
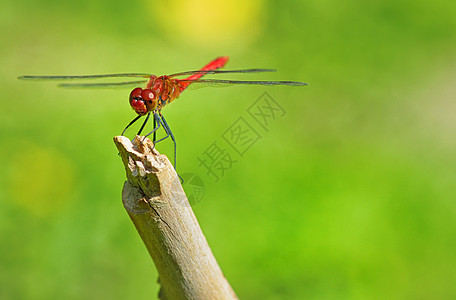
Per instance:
{"type": "Point", "coordinates": [143, 100]}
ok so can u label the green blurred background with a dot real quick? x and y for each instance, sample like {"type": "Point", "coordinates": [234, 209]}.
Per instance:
{"type": "Point", "coordinates": [350, 195]}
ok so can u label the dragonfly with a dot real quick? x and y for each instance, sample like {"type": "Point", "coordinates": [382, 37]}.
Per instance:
{"type": "Point", "coordinates": [158, 91]}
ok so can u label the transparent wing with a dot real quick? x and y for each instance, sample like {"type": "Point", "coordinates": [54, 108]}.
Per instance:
{"type": "Point", "coordinates": [104, 84]}
{"type": "Point", "coordinates": [221, 72]}
{"type": "Point", "coordinates": [218, 82]}
{"type": "Point", "coordinates": [73, 77]}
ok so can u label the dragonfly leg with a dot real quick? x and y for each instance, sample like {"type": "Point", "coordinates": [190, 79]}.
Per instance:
{"type": "Point", "coordinates": [156, 118]}
{"type": "Point", "coordinates": [144, 124]}
{"type": "Point", "coordinates": [131, 123]}
{"type": "Point", "coordinates": [170, 133]}
{"type": "Point", "coordinates": [160, 119]}
{"type": "Point", "coordinates": [155, 132]}
{"type": "Point", "coordinates": [166, 131]}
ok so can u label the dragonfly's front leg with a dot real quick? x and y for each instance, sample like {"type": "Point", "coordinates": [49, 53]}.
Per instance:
{"type": "Point", "coordinates": [131, 123]}
{"type": "Point", "coordinates": [156, 119]}
{"type": "Point", "coordinates": [144, 124]}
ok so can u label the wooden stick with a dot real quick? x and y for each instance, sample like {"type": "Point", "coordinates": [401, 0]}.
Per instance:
{"type": "Point", "coordinates": [157, 205]}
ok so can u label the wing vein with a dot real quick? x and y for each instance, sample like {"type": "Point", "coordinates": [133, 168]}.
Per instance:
{"type": "Point", "coordinates": [227, 82]}
{"type": "Point", "coordinates": [204, 72]}
{"type": "Point", "coordinates": [72, 77]}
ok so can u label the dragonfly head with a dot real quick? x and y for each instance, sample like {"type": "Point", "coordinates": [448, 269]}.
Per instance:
{"type": "Point", "coordinates": [143, 101]}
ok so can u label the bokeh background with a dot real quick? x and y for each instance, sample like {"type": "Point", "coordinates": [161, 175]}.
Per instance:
{"type": "Point", "coordinates": [350, 195]}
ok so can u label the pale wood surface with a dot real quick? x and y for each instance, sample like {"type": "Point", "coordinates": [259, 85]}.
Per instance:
{"type": "Point", "coordinates": [157, 205]}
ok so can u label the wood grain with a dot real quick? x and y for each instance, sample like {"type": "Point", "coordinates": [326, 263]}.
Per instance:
{"type": "Point", "coordinates": [156, 203]}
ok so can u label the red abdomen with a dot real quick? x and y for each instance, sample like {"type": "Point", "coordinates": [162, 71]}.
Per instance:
{"type": "Point", "coordinates": [213, 65]}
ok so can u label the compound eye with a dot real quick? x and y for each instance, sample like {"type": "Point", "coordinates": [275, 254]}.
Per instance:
{"type": "Point", "coordinates": [147, 95]}
{"type": "Point", "coordinates": [136, 93]}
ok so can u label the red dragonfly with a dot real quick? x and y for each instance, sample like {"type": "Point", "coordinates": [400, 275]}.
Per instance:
{"type": "Point", "coordinates": [161, 90]}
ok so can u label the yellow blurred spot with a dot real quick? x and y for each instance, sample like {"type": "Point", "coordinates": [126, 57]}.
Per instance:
{"type": "Point", "coordinates": [41, 180]}
{"type": "Point", "coordinates": [209, 22]}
